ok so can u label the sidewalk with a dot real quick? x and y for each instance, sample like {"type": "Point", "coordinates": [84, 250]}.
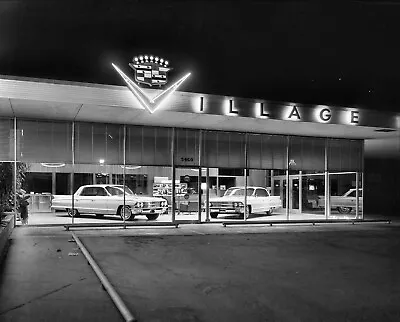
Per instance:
{"type": "Point", "coordinates": [40, 282]}
{"type": "Point", "coordinates": [61, 218]}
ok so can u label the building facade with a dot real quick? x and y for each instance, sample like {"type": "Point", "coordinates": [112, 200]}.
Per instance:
{"type": "Point", "coordinates": [190, 151]}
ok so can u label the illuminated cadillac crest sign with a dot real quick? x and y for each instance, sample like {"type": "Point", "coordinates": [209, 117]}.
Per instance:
{"type": "Point", "coordinates": [150, 71]}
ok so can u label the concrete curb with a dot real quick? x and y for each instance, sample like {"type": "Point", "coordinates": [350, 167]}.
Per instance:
{"type": "Point", "coordinates": [123, 309]}
{"type": "Point", "coordinates": [5, 234]}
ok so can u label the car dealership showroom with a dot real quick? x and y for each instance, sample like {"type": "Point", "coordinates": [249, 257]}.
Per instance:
{"type": "Point", "coordinates": [90, 153]}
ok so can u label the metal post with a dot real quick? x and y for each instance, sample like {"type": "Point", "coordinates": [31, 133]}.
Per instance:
{"type": "Point", "coordinates": [327, 203]}
{"type": "Point", "coordinates": [362, 179]}
{"type": "Point", "coordinates": [199, 178]}
{"type": "Point", "coordinates": [217, 190]}
{"type": "Point", "coordinates": [245, 178]}
{"type": "Point", "coordinates": [15, 171]}
{"type": "Point", "coordinates": [123, 171]}
{"type": "Point", "coordinates": [173, 176]}
{"type": "Point", "coordinates": [208, 194]}
{"type": "Point", "coordinates": [53, 185]}
{"type": "Point", "coordinates": [357, 194]}
{"type": "Point", "coordinates": [300, 192]}
{"type": "Point", "coordinates": [72, 171]}
{"type": "Point", "coordinates": [272, 182]}
{"type": "Point", "coordinates": [287, 177]}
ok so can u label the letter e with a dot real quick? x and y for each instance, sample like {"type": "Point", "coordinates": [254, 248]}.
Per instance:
{"type": "Point", "coordinates": [354, 117]}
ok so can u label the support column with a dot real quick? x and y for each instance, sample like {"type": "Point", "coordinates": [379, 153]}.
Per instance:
{"type": "Point", "coordinates": [15, 170]}
{"type": "Point", "coordinates": [362, 178]}
{"type": "Point", "coordinates": [287, 178]}
{"type": "Point", "coordinates": [208, 195]}
{"type": "Point", "coordinates": [300, 192]}
{"type": "Point", "coordinates": [72, 172]}
{"type": "Point", "coordinates": [53, 183]}
{"type": "Point", "coordinates": [217, 190]}
{"type": "Point", "coordinates": [124, 170]}
{"type": "Point", "coordinates": [245, 178]}
{"type": "Point", "coordinates": [199, 208]}
{"type": "Point", "coordinates": [173, 198]}
{"type": "Point", "coordinates": [357, 194]}
{"type": "Point", "coordinates": [327, 185]}
{"type": "Point", "coordinates": [272, 182]}
{"type": "Point", "coordinates": [53, 186]}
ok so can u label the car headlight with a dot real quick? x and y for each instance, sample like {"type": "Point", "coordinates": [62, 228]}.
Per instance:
{"type": "Point", "coordinates": [211, 204]}
{"type": "Point", "coordinates": [164, 203]}
{"type": "Point", "coordinates": [139, 204]}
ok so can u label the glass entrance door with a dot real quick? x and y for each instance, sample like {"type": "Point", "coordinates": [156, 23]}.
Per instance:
{"type": "Point", "coordinates": [280, 186]}
{"type": "Point", "coordinates": [294, 195]}
{"type": "Point", "coordinates": [187, 195]}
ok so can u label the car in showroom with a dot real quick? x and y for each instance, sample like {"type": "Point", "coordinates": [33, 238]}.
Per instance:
{"type": "Point", "coordinates": [343, 204]}
{"type": "Point", "coordinates": [258, 201]}
{"type": "Point", "coordinates": [109, 199]}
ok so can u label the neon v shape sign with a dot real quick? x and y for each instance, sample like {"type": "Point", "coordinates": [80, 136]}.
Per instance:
{"type": "Point", "coordinates": [150, 104]}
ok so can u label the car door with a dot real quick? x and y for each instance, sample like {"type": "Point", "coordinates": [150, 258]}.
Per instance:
{"type": "Point", "coordinates": [114, 199]}
{"type": "Point", "coordinates": [261, 199]}
{"type": "Point", "coordinates": [350, 200]}
{"type": "Point", "coordinates": [83, 203]}
{"type": "Point", "coordinates": [99, 201]}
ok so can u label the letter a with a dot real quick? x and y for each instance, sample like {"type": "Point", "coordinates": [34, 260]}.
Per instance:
{"type": "Point", "coordinates": [294, 112]}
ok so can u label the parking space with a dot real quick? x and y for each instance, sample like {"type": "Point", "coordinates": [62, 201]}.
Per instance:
{"type": "Point", "coordinates": [297, 273]}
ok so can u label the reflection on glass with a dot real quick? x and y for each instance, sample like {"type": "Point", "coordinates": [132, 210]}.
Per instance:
{"type": "Point", "coordinates": [343, 200]}
{"type": "Point", "coordinates": [119, 190]}
{"type": "Point", "coordinates": [234, 191]}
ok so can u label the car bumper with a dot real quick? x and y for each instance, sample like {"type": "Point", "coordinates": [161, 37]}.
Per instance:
{"type": "Point", "coordinates": [238, 210]}
{"type": "Point", "coordinates": [145, 211]}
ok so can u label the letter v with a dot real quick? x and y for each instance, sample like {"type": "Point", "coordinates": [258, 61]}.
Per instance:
{"type": "Point", "coordinates": [150, 104]}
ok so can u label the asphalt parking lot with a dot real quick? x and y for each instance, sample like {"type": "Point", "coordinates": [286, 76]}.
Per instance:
{"type": "Point", "coordinates": [339, 275]}
{"type": "Point", "coordinates": [209, 273]}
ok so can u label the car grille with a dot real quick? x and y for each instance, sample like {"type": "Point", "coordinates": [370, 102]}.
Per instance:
{"type": "Point", "coordinates": [152, 204]}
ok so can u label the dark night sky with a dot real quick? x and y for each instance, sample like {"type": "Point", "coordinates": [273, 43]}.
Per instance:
{"type": "Point", "coordinates": [317, 52]}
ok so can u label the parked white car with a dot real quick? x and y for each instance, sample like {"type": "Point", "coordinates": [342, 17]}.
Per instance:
{"type": "Point", "coordinates": [108, 199]}
{"type": "Point", "coordinates": [345, 203]}
{"type": "Point", "coordinates": [259, 200]}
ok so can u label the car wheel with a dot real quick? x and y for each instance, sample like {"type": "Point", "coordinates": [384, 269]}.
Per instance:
{"type": "Point", "coordinates": [76, 212]}
{"type": "Point", "coordinates": [125, 212]}
{"type": "Point", "coordinates": [270, 211]}
{"type": "Point", "coordinates": [152, 216]}
{"type": "Point", "coordinates": [214, 214]}
{"type": "Point", "coordinates": [344, 210]}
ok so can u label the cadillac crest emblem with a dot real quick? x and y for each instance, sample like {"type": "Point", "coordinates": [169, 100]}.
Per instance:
{"type": "Point", "coordinates": [150, 70]}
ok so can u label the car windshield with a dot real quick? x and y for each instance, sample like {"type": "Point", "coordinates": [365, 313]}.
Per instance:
{"type": "Point", "coordinates": [118, 190]}
{"type": "Point", "coordinates": [238, 192]}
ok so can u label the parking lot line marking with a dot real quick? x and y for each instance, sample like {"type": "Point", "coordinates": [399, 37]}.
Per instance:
{"type": "Point", "coordinates": [123, 309]}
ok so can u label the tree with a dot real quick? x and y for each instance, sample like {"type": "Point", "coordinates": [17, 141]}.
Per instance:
{"type": "Point", "coordinates": [7, 192]}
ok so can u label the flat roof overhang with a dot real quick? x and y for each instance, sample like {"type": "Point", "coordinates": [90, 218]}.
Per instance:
{"type": "Point", "coordinates": [55, 100]}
